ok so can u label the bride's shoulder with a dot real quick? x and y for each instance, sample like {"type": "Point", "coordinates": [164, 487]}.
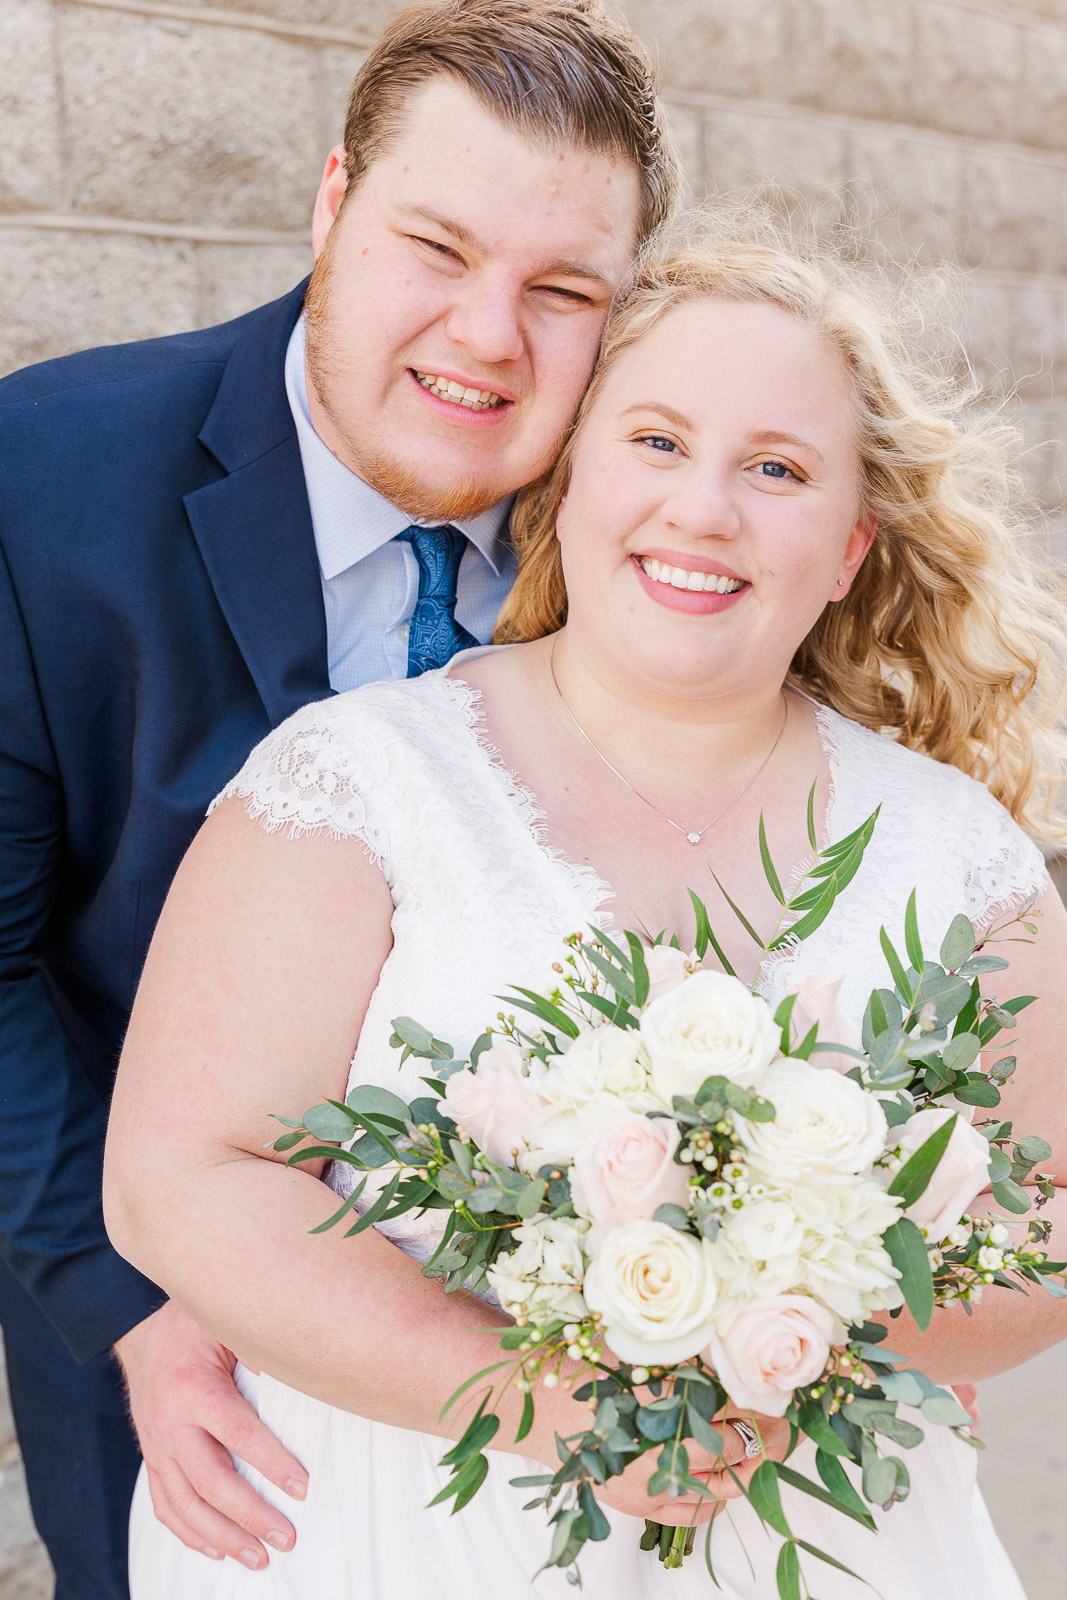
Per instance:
{"type": "Point", "coordinates": [930, 814]}
{"type": "Point", "coordinates": [343, 764]}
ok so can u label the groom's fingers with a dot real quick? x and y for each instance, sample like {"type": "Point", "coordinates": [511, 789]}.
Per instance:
{"type": "Point", "coordinates": [234, 1423]}
{"type": "Point", "coordinates": [199, 1525]}
{"type": "Point", "coordinates": [209, 1471]}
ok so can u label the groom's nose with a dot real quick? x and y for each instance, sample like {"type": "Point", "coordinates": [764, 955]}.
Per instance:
{"type": "Point", "coordinates": [486, 320]}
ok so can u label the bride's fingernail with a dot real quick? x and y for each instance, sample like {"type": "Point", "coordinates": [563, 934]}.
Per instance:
{"type": "Point", "coordinates": [280, 1541]}
{"type": "Point", "coordinates": [211, 1553]}
{"type": "Point", "coordinates": [251, 1559]}
{"type": "Point", "coordinates": [297, 1488]}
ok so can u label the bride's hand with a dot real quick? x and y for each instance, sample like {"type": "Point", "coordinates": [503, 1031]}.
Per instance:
{"type": "Point", "coordinates": [727, 1476]}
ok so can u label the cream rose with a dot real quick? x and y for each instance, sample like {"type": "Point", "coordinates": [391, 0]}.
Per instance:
{"type": "Point", "coordinates": [823, 1123]}
{"type": "Point", "coordinates": [960, 1175]}
{"type": "Point", "coordinates": [625, 1168]}
{"type": "Point", "coordinates": [667, 968]}
{"type": "Point", "coordinates": [494, 1105]}
{"type": "Point", "coordinates": [709, 1025]}
{"type": "Point", "coordinates": [603, 1064]}
{"type": "Point", "coordinates": [655, 1289]}
{"type": "Point", "coordinates": [817, 1006]}
{"type": "Point", "coordinates": [771, 1348]}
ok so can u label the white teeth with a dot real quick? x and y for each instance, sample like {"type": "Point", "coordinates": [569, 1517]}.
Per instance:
{"type": "Point", "coordinates": [457, 394]}
{"type": "Point", "coordinates": [697, 582]}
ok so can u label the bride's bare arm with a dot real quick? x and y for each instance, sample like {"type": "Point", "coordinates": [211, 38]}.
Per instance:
{"type": "Point", "coordinates": [1006, 1329]}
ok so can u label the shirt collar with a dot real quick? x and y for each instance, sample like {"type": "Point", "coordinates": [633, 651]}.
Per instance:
{"type": "Point", "coordinates": [350, 519]}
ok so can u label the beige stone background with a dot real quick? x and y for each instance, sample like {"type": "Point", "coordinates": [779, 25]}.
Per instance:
{"type": "Point", "coordinates": [157, 167]}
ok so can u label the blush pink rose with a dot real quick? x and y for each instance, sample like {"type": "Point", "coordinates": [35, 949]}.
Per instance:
{"type": "Point", "coordinates": [494, 1105]}
{"type": "Point", "coordinates": [771, 1348]}
{"type": "Point", "coordinates": [667, 968]}
{"type": "Point", "coordinates": [817, 1005]}
{"type": "Point", "coordinates": [624, 1168]}
{"type": "Point", "coordinates": [959, 1177]}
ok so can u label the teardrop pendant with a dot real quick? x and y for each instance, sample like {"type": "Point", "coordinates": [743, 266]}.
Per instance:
{"type": "Point", "coordinates": [694, 838]}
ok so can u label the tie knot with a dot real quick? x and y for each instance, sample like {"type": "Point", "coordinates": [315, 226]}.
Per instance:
{"type": "Point", "coordinates": [438, 552]}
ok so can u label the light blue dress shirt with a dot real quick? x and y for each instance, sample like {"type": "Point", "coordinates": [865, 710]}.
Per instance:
{"type": "Point", "coordinates": [370, 583]}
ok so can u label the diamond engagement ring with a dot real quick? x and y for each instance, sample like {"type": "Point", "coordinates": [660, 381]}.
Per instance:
{"type": "Point", "coordinates": [748, 1438]}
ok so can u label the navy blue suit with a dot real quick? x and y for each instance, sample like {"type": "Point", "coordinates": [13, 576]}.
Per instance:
{"type": "Point", "coordinates": [160, 611]}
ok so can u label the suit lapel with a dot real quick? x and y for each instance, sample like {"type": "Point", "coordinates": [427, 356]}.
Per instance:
{"type": "Point", "coordinates": [253, 527]}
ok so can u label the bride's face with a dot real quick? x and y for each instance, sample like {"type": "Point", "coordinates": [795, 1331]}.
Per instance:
{"type": "Point", "coordinates": [714, 503]}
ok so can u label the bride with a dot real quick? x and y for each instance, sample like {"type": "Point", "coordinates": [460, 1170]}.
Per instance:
{"type": "Point", "coordinates": [772, 552]}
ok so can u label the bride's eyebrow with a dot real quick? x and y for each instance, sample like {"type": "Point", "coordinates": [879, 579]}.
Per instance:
{"type": "Point", "coordinates": [772, 436]}
{"type": "Point", "coordinates": [672, 416]}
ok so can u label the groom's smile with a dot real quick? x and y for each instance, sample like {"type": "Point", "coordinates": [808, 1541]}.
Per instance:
{"type": "Point", "coordinates": [458, 299]}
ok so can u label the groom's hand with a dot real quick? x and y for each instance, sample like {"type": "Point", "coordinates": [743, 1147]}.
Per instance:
{"type": "Point", "coordinates": [189, 1416]}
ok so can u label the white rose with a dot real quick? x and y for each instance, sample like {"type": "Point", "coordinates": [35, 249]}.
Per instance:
{"type": "Point", "coordinates": [771, 1348]}
{"type": "Point", "coordinates": [823, 1124]}
{"type": "Point", "coordinates": [667, 968]}
{"type": "Point", "coordinates": [542, 1277]}
{"type": "Point", "coordinates": [960, 1175]}
{"type": "Point", "coordinates": [710, 1025]}
{"type": "Point", "coordinates": [655, 1289]}
{"type": "Point", "coordinates": [603, 1063]}
{"type": "Point", "coordinates": [843, 1261]}
{"type": "Point", "coordinates": [553, 1136]}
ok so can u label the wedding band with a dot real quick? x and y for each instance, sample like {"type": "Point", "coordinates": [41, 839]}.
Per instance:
{"type": "Point", "coordinates": [748, 1438]}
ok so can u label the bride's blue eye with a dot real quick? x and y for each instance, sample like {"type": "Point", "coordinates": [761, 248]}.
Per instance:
{"type": "Point", "coordinates": [777, 469]}
{"type": "Point", "coordinates": [657, 441]}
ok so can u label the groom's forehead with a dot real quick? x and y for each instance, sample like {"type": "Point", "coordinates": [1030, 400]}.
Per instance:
{"type": "Point", "coordinates": [455, 163]}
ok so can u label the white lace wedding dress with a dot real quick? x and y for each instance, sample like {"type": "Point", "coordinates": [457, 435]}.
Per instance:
{"type": "Point", "coordinates": [481, 903]}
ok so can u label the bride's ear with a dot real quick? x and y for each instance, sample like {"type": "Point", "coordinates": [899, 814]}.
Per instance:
{"type": "Point", "coordinates": [859, 542]}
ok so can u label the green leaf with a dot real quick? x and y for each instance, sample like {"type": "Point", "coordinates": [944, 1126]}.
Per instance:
{"type": "Point", "coordinates": [768, 864]}
{"type": "Point", "coordinates": [368, 1100]}
{"type": "Point", "coordinates": [599, 1526]}
{"type": "Point", "coordinates": [467, 1482]}
{"type": "Point", "coordinates": [914, 1176]}
{"type": "Point", "coordinates": [907, 1251]}
{"type": "Point", "coordinates": [816, 1425]}
{"type": "Point", "coordinates": [620, 981]}
{"type": "Point", "coordinates": [831, 1561]}
{"type": "Point", "coordinates": [911, 935]}
{"type": "Point", "coordinates": [705, 936]}
{"type": "Point", "coordinates": [977, 1091]}
{"type": "Point", "coordinates": [462, 1390]}
{"type": "Point", "coordinates": [899, 1429]}
{"type": "Point", "coordinates": [529, 1201]}
{"type": "Point", "coordinates": [378, 1209]}
{"type": "Point", "coordinates": [286, 1141]}
{"type": "Point", "coordinates": [957, 946]}
{"type": "Point", "coordinates": [1009, 1195]}
{"type": "Point", "coordinates": [544, 1009]}
{"type": "Point", "coordinates": [656, 1425]}
{"type": "Point", "coordinates": [707, 1437]}
{"type": "Point", "coordinates": [845, 1495]}
{"type": "Point", "coordinates": [348, 1206]}
{"type": "Point", "coordinates": [944, 1410]}
{"type": "Point", "coordinates": [879, 1480]}
{"type": "Point", "coordinates": [414, 1035]}
{"type": "Point", "coordinates": [477, 1436]}
{"type": "Point", "coordinates": [812, 919]}
{"type": "Point", "coordinates": [674, 1216]}
{"type": "Point", "coordinates": [640, 969]}
{"type": "Point", "coordinates": [765, 1498]}
{"type": "Point", "coordinates": [782, 1018]}
{"type": "Point", "coordinates": [1032, 1150]}
{"type": "Point", "coordinates": [813, 837]}
{"type": "Point", "coordinates": [739, 914]}
{"type": "Point", "coordinates": [902, 1386]}
{"type": "Point", "coordinates": [896, 966]}
{"type": "Point", "coordinates": [329, 1124]}
{"type": "Point", "coordinates": [527, 1418]}
{"type": "Point", "coordinates": [788, 1572]}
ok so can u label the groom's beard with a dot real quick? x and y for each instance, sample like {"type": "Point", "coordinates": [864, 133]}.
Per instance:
{"type": "Point", "coordinates": [397, 480]}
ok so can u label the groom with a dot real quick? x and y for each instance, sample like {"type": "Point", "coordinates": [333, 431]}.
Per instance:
{"type": "Point", "coordinates": [198, 535]}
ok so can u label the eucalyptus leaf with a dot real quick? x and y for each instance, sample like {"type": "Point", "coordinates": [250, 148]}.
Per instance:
{"type": "Point", "coordinates": [958, 943]}
{"type": "Point", "coordinates": [330, 1125]}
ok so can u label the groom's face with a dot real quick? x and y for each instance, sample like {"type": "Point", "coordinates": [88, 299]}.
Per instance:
{"type": "Point", "coordinates": [458, 300]}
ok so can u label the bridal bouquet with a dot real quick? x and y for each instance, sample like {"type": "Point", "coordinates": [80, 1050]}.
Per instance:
{"type": "Point", "coordinates": [687, 1201]}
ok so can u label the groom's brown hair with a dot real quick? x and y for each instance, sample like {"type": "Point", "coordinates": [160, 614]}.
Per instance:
{"type": "Point", "coordinates": [552, 69]}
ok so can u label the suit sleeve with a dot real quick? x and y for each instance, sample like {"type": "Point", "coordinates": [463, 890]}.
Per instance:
{"type": "Point", "coordinates": [52, 1118]}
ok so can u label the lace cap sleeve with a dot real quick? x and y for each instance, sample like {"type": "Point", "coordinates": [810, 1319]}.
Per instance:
{"type": "Point", "coordinates": [1002, 866]}
{"type": "Point", "coordinates": [304, 777]}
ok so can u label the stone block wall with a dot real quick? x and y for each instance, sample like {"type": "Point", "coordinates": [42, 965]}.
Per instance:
{"type": "Point", "coordinates": [158, 160]}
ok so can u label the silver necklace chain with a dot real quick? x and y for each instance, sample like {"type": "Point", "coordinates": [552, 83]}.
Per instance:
{"type": "Point", "coordinates": [694, 835]}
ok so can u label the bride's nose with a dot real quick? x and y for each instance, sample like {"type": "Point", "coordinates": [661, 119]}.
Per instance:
{"type": "Point", "coordinates": [702, 505]}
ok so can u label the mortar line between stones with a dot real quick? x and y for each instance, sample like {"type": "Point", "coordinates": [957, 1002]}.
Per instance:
{"type": "Point", "coordinates": [250, 21]}
{"type": "Point", "coordinates": [915, 133]}
{"type": "Point", "coordinates": [57, 222]}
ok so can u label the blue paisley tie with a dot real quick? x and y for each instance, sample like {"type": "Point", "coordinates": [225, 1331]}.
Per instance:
{"type": "Point", "coordinates": [435, 635]}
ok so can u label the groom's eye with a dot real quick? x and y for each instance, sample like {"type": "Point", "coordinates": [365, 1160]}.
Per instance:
{"type": "Point", "coordinates": [442, 250]}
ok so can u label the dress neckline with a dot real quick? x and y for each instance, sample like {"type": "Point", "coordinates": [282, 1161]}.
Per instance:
{"type": "Point", "coordinates": [584, 885]}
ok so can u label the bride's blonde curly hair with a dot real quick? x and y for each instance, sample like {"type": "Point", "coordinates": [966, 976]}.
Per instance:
{"type": "Point", "coordinates": [953, 637]}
